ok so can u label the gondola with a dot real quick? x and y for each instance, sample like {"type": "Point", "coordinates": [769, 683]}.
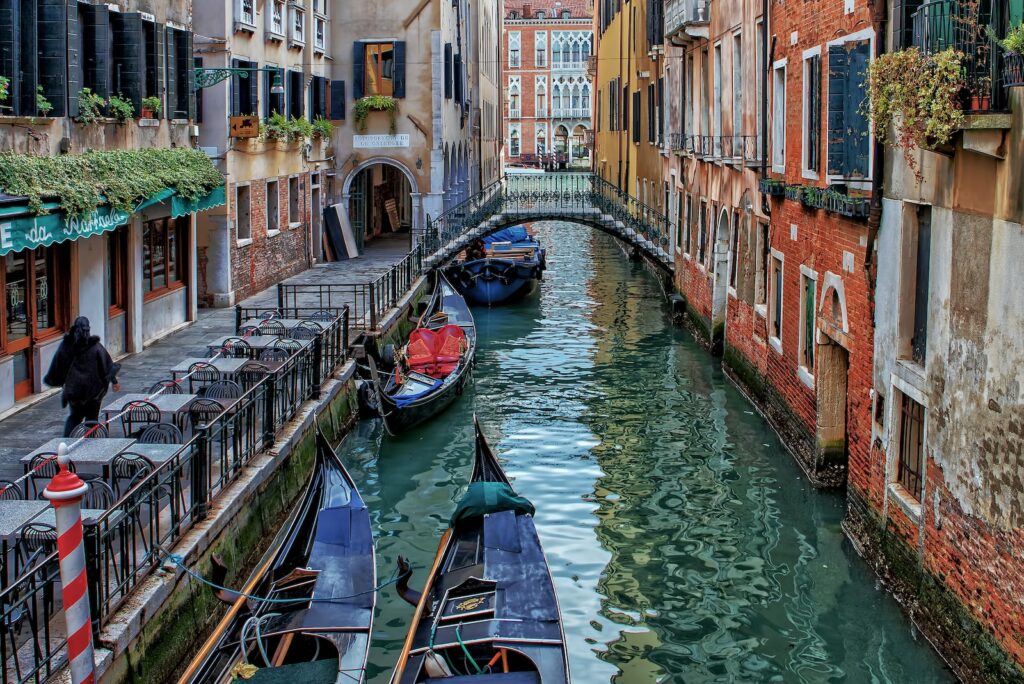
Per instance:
{"type": "Point", "coordinates": [317, 592]}
{"type": "Point", "coordinates": [488, 611]}
{"type": "Point", "coordinates": [502, 267]}
{"type": "Point", "coordinates": [431, 370]}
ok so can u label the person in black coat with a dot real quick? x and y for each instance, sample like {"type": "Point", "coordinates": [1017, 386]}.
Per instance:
{"type": "Point", "coordinates": [83, 367]}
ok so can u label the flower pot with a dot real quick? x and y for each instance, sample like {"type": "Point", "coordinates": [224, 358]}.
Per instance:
{"type": "Point", "coordinates": [148, 113]}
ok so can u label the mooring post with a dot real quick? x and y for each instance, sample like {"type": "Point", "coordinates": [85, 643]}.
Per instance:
{"type": "Point", "coordinates": [65, 493]}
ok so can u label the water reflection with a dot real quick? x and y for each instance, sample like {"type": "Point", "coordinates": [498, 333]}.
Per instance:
{"type": "Point", "coordinates": [684, 544]}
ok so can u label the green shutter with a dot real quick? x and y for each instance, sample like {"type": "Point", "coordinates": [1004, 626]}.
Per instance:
{"type": "Point", "coordinates": [838, 77]}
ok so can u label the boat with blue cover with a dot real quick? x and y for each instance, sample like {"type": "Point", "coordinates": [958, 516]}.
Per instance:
{"type": "Point", "coordinates": [488, 610]}
{"type": "Point", "coordinates": [429, 372]}
{"type": "Point", "coordinates": [306, 612]}
{"type": "Point", "coordinates": [504, 266]}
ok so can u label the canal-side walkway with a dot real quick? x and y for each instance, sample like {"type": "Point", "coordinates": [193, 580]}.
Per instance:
{"type": "Point", "coordinates": [24, 431]}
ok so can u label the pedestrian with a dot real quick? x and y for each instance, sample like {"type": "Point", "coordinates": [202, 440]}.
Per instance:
{"type": "Point", "coordinates": [83, 367]}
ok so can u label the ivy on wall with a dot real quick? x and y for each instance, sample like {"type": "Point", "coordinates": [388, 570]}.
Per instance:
{"type": "Point", "coordinates": [120, 178]}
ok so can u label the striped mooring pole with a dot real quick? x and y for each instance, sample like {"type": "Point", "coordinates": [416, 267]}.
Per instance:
{"type": "Point", "coordinates": [65, 492]}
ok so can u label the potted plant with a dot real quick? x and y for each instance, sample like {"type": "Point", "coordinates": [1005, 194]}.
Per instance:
{"type": "Point", "coordinates": [90, 107]}
{"type": "Point", "coordinates": [810, 197]}
{"type": "Point", "coordinates": [43, 106]}
{"type": "Point", "coordinates": [1013, 60]}
{"type": "Point", "coordinates": [773, 187]}
{"type": "Point", "coordinates": [793, 192]}
{"type": "Point", "coordinates": [151, 107]}
{"type": "Point", "coordinates": [299, 129]}
{"type": "Point", "coordinates": [5, 88]}
{"type": "Point", "coordinates": [322, 129]}
{"type": "Point", "coordinates": [121, 108]}
{"type": "Point", "coordinates": [375, 103]}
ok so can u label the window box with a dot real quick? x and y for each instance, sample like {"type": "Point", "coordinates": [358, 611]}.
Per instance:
{"type": "Point", "coordinates": [773, 187]}
{"type": "Point", "coordinates": [845, 205]}
{"type": "Point", "coordinates": [811, 197]}
{"type": "Point", "coordinates": [794, 192]}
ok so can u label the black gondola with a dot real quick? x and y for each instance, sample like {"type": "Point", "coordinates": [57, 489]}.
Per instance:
{"type": "Point", "coordinates": [317, 591]}
{"type": "Point", "coordinates": [433, 366]}
{"type": "Point", "coordinates": [488, 611]}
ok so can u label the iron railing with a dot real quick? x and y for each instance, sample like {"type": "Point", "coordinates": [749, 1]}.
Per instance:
{"type": "Point", "coordinates": [33, 648]}
{"type": "Point", "coordinates": [745, 148]}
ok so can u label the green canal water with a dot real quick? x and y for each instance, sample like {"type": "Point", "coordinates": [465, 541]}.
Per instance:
{"type": "Point", "coordinates": [684, 543]}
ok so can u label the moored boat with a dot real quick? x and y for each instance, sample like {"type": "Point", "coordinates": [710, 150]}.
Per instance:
{"type": "Point", "coordinates": [305, 614]}
{"type": "Point", "coordinates": [488, 611]}
{"type": "Point", "coordinates": [502, 267]}
{"type": "Point", "coordinates": [430, 371]}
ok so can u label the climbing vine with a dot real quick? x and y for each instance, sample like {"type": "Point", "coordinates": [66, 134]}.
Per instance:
{"type": "Point", "coordinates": [918, 97]}
{"type": "Point", "coordinates": [121, 178]}
{"type": "Point", "coordinates": [376, 103]}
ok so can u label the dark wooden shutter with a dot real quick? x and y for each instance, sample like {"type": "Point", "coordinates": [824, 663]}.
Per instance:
{"type": "Point", "coordinates": [95, 30]}
{"type": "Point", "coordinates": [814, 113]}
{"type": "Point", "coordinates": [321, 97]}
{"type": "Point", "coordinates": [154, 55]}
{"type": "Point", "coordinates": [254, 89]}
{"type": "Point", "coordinates": [636, 116]}
{"type": "Point", "coordinates": [399, 73]}
{"type": "Point", "coordinates": [838, 77]}
{"type": "Point", "coordinates": [857, 138]}
{"type": "Point", "coordinates": [236, 89]}
{"type": "Point", "coordinates": [358, 69]}
{"type": "Point", "coordinates": [457, 68]}
{"type": "Point", "coordinates": [650, 113]}
{"type": "Point", "coordinates": [172, 72]}
{"type": "Point", "coordinates": [28, 75]}
{"type": "Point", "coordinates": [74, 58]}
{"type": "Point", "coordinates": [129, 61]}
{"type": "Point", "coordinates": [338, 100]}
{"type": "Point", "coordinates": [187, 75]}
{"type": "Point", "coordinates": [448, 71]}
{"type": "Point", "coordinates": [197, 63]}
{"type": "Point", "coordinates": [10, 44]}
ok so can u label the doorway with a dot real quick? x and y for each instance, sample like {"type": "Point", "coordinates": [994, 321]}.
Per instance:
{"type": "Point", "coordinates": [831, 440]}
{"type": "Point", "coordinates": [380, 203]}
{"type": "Point", "coordinates": [316, 226]}
{"type": "Point", "coordinates": [720, 291]}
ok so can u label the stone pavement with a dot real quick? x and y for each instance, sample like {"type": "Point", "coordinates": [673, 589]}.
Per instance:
{"type": "Point", "coordinates": [24, 431]}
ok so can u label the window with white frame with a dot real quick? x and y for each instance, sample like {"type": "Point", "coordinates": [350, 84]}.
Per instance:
{"type": "Point", "coordinates": [761, 257]}
{"type": "Point", "coordinates": [540, 49]}
{"type": "Point", "coordinates": [320, 7]}
{"type": "Point", "coordinates": [541, 88]}
{"type": "Point", "coordinates": [243, 212]}
{"type": "Point", "coordinates": [812, 113]}
{"type": "Point", "coordinates": [275, 18]}
{"type": "Point", "coordinates": [737, 89]}
{"type": "Point", "coordinates": [759, 87]}
{"type": "Point", "coordinates": [910, 445]}
{"type": "Point", "coordinates": [514, 49]}
{"type": "Point", "coordinates": [779, 117]}
{"type": "Point", "coordinates": [298, 25]}
{"type": "Point", "coordinates": [293, 201]}
{"type": "Point", "coordinates": [514, 140]}
{"type": "Point", "coordinates": [514, 104]}
{"type": "Point", "coordinates": [775, 310]}
{"type": "Point", "coordinates": [687, 223]}
{"type": "Point", "coordinates": [319, 33]}
{"type": "Point", "coordinates": [246, 12]}
{"type": "Point", "coordinates": [849, 134]}
{"type": "Point", "coordinates": [273, 206]}
{"type": "Point", "coordinates": [541, 134]}
{"type": "Point", "coordinates": [808, 300]}
{"type": "Point", "coordinates": [717, 76]}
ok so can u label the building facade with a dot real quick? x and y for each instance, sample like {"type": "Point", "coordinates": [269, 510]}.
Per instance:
{"type": "Point", "coordinates": [133, 274]}
{"type": "Point", "coordinates": [271, 227]}
{"type": "Point", "coordinates": [546, 50]}
{"type": "Point", "coordinates": [629, 54]}
{"type": "Point", "coordinates": [486, 93]}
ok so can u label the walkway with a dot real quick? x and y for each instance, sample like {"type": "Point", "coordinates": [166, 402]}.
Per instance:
{"type": "Point", "coordinates": [23, 432]}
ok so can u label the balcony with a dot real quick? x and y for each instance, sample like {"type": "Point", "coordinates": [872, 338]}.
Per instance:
{"type": "Point", "coordinates": [588, 139]}
{"type": "Point", "coordinates": [964, 26]}
{"type": "Point", "coordinates": [571, 113]}
{"type": "Point", "coordinates": [731, 149]}
{"type": "Point", "coordinates": [559, 65]}
{"type": "Point", "coordinates": [686, 20]}
{"type": "Point", "coordinates": [515, 113]}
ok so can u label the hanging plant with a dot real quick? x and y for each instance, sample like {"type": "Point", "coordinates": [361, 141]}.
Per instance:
{"type": "Point", "coordinates": [122, 109]}
{"type": "Point", "coordinates": [90, 107]}
{"type": "Point", "coordinates": [376, 103]}
{"type": "Point", "coordinates": [5, 88]}
{"type": "Point", "coordinates": [43, 106]}
{"type": "Point", "coordinates": [916, 99]}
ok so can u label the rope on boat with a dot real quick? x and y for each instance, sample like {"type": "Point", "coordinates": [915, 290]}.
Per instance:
{"type": "Point", "coordinates": [180, 562]}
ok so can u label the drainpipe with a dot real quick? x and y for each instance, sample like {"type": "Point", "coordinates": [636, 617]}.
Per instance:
{"type": "Point", "coordinates": [879, 21]}
{"type": "Point", "coordinates": [769, 54]}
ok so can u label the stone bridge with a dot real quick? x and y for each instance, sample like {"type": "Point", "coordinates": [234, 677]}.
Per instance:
{"type": "Point", "coordinates": [525, 197]}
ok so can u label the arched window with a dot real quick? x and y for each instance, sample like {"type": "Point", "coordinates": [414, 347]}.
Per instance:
{"type": "Point", "coordinates": [575, 97]}
{"type": "Point", "coordinates": [586, 99]}
{"type": "Point", "coordinates": [566, 53]}
{"type": "Point", "coordinates": [513, 98]}
{"type": "Point", "coordinates": [542, 99]}
{"type": "Point", "coordinates": [542, 140]}
{"type": "Point", "coordinates": [513, 147]}
{"type": "Point", "coordinates": [576, 53]}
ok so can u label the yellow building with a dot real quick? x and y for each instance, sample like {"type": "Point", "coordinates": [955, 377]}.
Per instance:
{"type": "Point", "coordinates": [629, 95]}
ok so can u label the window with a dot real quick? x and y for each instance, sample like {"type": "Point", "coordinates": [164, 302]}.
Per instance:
{"type": "Point", "coordinates": [152, 50]}
{"type": "Point", "coordinates": [636, 117]}
{"type": "Point", "coordinates": [319, 33]}
{"type": "Point", "coordinates": [317, 98]}
{"type": "Point", "coordinates": [808, 287]}
{"type": "Point", "coordinates": [514, 43]}
{"type": "Point", "coordinates": [117, 262]}
{"type": "Point", "coordinates": [910, 466]}
{"type": "Point", "coordinates": [759, 88]}
{"type": "Point", "coordinates": [541, 49]}
{"type": "Point", "coordinates": [180, 70]}
{"type": "Point", "coordinates": [379, 68]}
{"type": "Point", "coordinates": [613, 105]}
{"type": "Point", "coordinates": [734, 255]}
{"type": "Point", "coordinates": [296, 94]}
{"type": "Point", "coordinates": [243, 213]}
{"type": "Point", "coordinates": [705, 99]}
{"type": "Point", "coordinates": [775, 319]}
{"type": "Point", "coordinates": [702, 232]}
{"type": "Point", "coordinates": [162, 250]}
{"type": "Point", "coordinates": [272, 103]}
{"type": "Point", "coordinates": [737, 91]}
{"type": "Point", "coordinates": [915, 282]}
{"type": "Point", "coordinates": [513, 141]}
{"type": "Point", "coordinates": [275, 18]}
{"type": "Point", "coordinates": [812, 114]}
{"type": "Point", "coordinates": [680, 223]}
{"type": "Point", "coordinates": [849, 141]}
{"type": "Point", "coordinates": [687, 224]}
{"type": "Point", "coordinates": [566, 14]}
{"type": "Point", "coordinates": [761, 256]}
{"type": "Point", "coordinates": [513, 97]}
{"type": "Point", "coordinates": [542, 97]}
{"type": "Point", "coordinates": [540, 14]}
{"type": "Point", "coordinates": [541, 133]}
{"type": "Point", "coordinates": [651, 123]}
{"type": "Point", "coordinates": [247, 12]}
{"type": "Point", "coordinates": [320, 7]}
{"type": "Point", "coordinates": [779, 118]}
{"type": "Point", "coordinates": [717, 132]}
{"type": "Point", "coordinates": [273, 206]}
{"type": "Point", "coordinates": [294, 195]}
{"type": "Point", "coordinates": [244, 99]}
{"type": "Point", "coordinates": [298, 26]}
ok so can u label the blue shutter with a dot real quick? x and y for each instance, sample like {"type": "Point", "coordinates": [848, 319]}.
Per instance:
{"type": "Point", "coordinates": [857, 138]}
{"type": "Point", "coordinates": [458, 78]}
{"type": "Point", "coordinates": [838, 77]}
{"type": "Point", "coordinates": [189, 79]}
{"type": "Point", "coordinates": [172, 72]}
{"type": "Point", "coordinates": [447, 71]}
{"type": "Point", "coordinates": [337, 100]}
{"type": "Point", "coordinates": [358, 69]}
{"type": "Point", "coordinates": [398, 88]}
{"type": "Point", "coordinates": [236, 89]}
{"type": "Point", "coordinates": [321, 97]}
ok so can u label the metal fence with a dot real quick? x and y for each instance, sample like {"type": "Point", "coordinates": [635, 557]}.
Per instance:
{"type": "Point", "coordinates": [123, 545]}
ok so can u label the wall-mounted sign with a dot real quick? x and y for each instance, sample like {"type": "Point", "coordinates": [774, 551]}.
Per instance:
{"type": "Point", "coordinates": [245, 127]}
{"type": "Point", "coordinates": [365, 142]}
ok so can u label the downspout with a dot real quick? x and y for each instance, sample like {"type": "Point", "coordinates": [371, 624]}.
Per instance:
{"type": "Point", "coordinates": [879, 21]}
{"type": "Point", "coordinates": [769, 53]}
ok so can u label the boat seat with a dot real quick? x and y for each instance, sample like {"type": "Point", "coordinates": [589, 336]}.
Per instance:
{"type": "Point", "coordinates": [435, 353]}
{"type": "Point", "coordinates": [502, 677]}
{"type": "Point", "coordinates": [314, 671]}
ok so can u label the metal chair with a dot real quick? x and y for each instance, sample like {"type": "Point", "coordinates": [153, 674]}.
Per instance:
{"type": "Point", "coordinates": [305, 331]}
{"type": "Point", "coordinates": [128, 466]}
{"type": "Point", "coordinates": [35, 540]}
{"type": "Point", "coordinates": [287, 344]}
{"type": "Point", "coordinates": [137, 415]}
{"type": "Point", "coordinates": [272, 327]}
{"type": "Point", "coordinates": [200, 375]}
{"type": "Point", "coordinates": [91, 429]}
{"type": "Point", "coordinates": [236, 347]}
{"type": "Point", "coordinates": [99, 497]}
{"type": "Point", "coordinates": [271, 314]}
{"type": "Point", "coordinates": [252, 373]}
{"type": "Point", "coordinates": [43, 467]}
{"type": "Point", "coordinates": [10, 491]}
{"type": "Point", "coordinates": [168, 386]}
{"type": "Point", "coordinates": [323, 315]}
{"type": "Point", "coordinates": [224, 389]}
{"type": "Point", "coordinates": [201, 411]}
{"type": "Point", "coordinates": [274, 354]}
{"type": "Point", "coordinates": [161, 433]}
{"type": "Point", "coordinates": [248, 330]}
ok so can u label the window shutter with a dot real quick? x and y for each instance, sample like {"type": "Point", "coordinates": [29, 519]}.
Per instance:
{"type": "Point", "coordinates": [856, 138]}
{"type": "Point", "coordinates": [358, 69]}
{"type": "Point", "coordinates": [458, 77]}
{"type": "Point", "coordinates": [190, 76]}
{"type": "Point", "coordinates": [95, 44]}
{"type": "Point", "coordinates": [10, 42]}
{"type": "Point", "coordinates": [254, 90]}
{"type": "Point", "coordinates": [236, 89]}
{"type": "Point", "coordinates": [197, 63]}
{"type": "Point", "coordinates": [74, 63]}
{"type": "Point", "coordinates": [158, 65]}
{"type": "Point", "coordinates": [447, 71]}
{"type": "Point", "coordinates": [321, 97]}
{"type": "Point", "coordinates": [28, 66]}
{"type": "Point", "coordinates": [399, 79]}
{"type": "Point", "coordinates": [267, 78]}
{"type": "Point", "coordinates": [337, 100]}
{"type": "Point", "coordinates": [813, 113]}
{"type": "Point", "coordinates": [172, 72]}
{"type": "Point", "coordinates": [838, 75]}
{"type": "Point", "coordinates": [129, 71]}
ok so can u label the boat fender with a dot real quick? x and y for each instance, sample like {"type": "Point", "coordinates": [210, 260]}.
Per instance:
{"type": "Point", "coordinates": [402, 584]}
{"type": "Point", "coordinates": [507, 274]}
{"type": "Point", "coordinates": [218, 576]}
{"type": "Point", "coordinates": [435, 666]}
{"type": "Point", "coordinates": [367, 398]}
{"type": "Point", "coordinates": [387, 356]}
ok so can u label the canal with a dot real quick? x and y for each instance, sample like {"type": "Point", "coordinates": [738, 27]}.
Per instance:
{"type": "Point", "coordinates": [684, 542]}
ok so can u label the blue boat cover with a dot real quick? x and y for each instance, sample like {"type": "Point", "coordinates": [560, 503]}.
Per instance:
{"type": "Point", "coordinates": [489, 497]}
{"type": "Point", "coordinates": [512, 234]}
{"type": "Point", "coordinates": [403, 401]}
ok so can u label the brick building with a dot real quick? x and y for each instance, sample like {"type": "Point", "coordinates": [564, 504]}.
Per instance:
{"type": "Point", "coordinates": [548, 92]}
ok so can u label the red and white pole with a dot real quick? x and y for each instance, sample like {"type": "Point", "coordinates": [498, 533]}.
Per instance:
{"type": "Point", "coordinates": [65, 492]}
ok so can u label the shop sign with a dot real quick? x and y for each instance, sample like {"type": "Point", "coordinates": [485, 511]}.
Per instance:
{"type": "Point", "coordinates": [365, 142]}
{"type": "Point", "coordinates": [47, 229]}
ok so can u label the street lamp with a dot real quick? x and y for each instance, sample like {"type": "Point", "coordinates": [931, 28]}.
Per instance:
{"type": "Point", "coordinates": [204, 78]}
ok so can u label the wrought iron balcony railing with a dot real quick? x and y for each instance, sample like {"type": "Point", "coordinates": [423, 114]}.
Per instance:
{"type": "Point", "coordinates": [729, 148]}
{"type": "Point", "coordinates": [680, 14]}
{"type": "Point", "coordinates": [570, 65]}
{"type": "Point", "coordinates": [571, 112]}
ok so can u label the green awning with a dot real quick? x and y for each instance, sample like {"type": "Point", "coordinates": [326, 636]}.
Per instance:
{"type": "Point", "coordinates": [20, 229]}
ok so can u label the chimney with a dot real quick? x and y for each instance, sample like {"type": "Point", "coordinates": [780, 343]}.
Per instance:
{"type": "Point", "coordinates": [527, 11]}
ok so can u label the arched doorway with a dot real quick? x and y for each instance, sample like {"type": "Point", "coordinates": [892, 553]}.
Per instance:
{"type": "Point", "coordinates": [720, 293]}
{"type": "Point", "coordinates": [579, 148]}
{"type": "Point", "coordinates": [382, 200]}
{"type": "Point", "coordinates": [562, 144]}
